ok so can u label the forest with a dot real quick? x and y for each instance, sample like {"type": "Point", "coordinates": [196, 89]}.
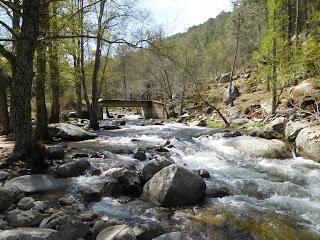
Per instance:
{"type": "Point", "coordinates": [219, 104]}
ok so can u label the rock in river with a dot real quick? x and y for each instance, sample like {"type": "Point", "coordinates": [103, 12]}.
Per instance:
{"type": "Point", "coordinates": [174, 186]}
{"type": "Point", "coordinates": [30, 234]}
{"type": "Point", "coordinates": [73, 169]}
{"type": "Point", "coordinates": [69, 132]}
{"type": "Point", "coordinates": [259, 147]}
{"type": "Point", "coordinates": [31, 184]}
{"type": "Point", "coordinates": [118, 232]}
{"type": "Point", "coordinates": [308, 143]}
{"type": "Point", "coordinates": [8, 196]}
{"type": "Point", "coordinates": [154, 166]}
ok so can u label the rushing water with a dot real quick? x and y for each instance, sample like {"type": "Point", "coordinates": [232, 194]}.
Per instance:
{"type": "Point", "coordinates": [270, 199]}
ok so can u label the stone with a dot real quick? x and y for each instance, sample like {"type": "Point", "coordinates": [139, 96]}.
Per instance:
{"type": "Point", "coordinates": [308, 143]}
{"type": "Point", "coordinates": [118, 232]}
{"type": "Point", "coordinates": [184, 118]}
{"type": "Point", "coordinates": [55, 152]}
{"type": "Point", "coordinates": [8, 196]}
{"type": "Point", "coordinates": [242, 121]}
{"type": "Point", "coordinates": [101, 225]}
{"type": "Point", "coordinates": [294, 128]}
{"type": "Point", "coordinates": [18, 218]}
{"type": "Point", "coordinates": [307, 88]}
{"type": "Point", "coordinates": [118, 123]}
{"type": "Point", "coordinates": [259, 147]}
{"type": "Point", "coordinates": [224, 78]}
{"type": "Point", "coordinates": [111, 128]}
{"type": "Point", "coordinates": [4, 175]}
{"type": "Point", "coordinates": [30, 234]}
{"type": "Point", "coordinates": [154, 166]}
{"type": "Point", "coordinates": [176, 236]}
{"type": "Point", "coordinates": [261, 133]}
{"type": "Point", "coordinates": [278, 125]}
{"type": "Point", "coordinates": [199, 123]}
{"type": "Point", "coordinates": [80, 155]}
{"type": "Point", "coordinates": [227, 97]}
{"type": "Point", "coordinates": [203, 173]}
{"type": "Point", "coordinates": [69, 132]}
{"type": "Point", "coordinates": [73, 169]}
{"type": "Point", "coordinates": [148, 231]}
{"type": "Point", "coordinates": [67, 201]}
{"type": "Point", "coordinates": [140, 155]}
{"type": "Point", "coordinates": [32, 184]}
{"type": "Point", "coordinates": [129, 180]}
{"type": "Point", "coordinates": [174, 186]}
{"type": "Point", "coordinates": [68, 227]}
{"type": "Point", "coordinates": [217, 192]}
{"type": "Point", "coordinates": [26, 203]}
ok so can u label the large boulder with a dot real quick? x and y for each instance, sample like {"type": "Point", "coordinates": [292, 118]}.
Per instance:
{"type": "Point", "coordinates": [129, 180]}
{"type": "Point", "coordinates": [73, 169]}
{"type": "Point", "coordinates": [307, 88]}
{"type": "Point", "coordinates": [55, 152]}
{"type": "Point", "coordinates": [174, 186]}
{"type": "Point", "coordinates": [68, 227]}
{"type": "Point", "coordinates": [26, 203]}
{"type": "Point", "coordinates": [31, 184]}
{"type": "Point", "coordinates": [100, 225]}
{"type": "Point", "coordinates": [231, 96]}
{"type": "Point", "coordinates": [30, 234]}
{"type": "Point", "coordinates": [8, 196]}
{"type": "Point", "coordinates": [69, 132]}
{"type": "Point", "coordinates": [308, 143]}
{"type": "Point", "coordinates": [118, 232]}
{"type": "Point", "coordinates": [293, 129]}
{"type": "Point", "coordinates": [149, 230]}
{"type": "Point", "coordinates": [17, 218]}
{"type": "Point", "coordinates": [278, 125]}
{"type": "Point", "coordinates": [259, 147]}
{"type": "Point", "coordinates": [154, 166]}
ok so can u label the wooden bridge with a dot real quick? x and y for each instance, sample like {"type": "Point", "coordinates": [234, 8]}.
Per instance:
{"type": "Point", "coordinates": [150, 109]}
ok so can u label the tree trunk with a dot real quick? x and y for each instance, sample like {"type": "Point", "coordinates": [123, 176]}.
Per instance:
{"type": "Point", "coordinates": [297, 20]}
{"type": "Point", "coordinates": [77, 82]}
{"type": "Point", "coordinates": [4, 114]}
{"type": "Point", "coordinates": [289, 8]}
{"type": "Point", "coordinates": [41, 131]}
{"type": "Point", "coordinates": [306, 14]}
{"type": "Point", "coordinates": [274, 76]}
{"type": "Point", "coordinates": [54, 73]}
{"type": "Point", "coordinates": [182, 98]}
{"type": "Point", "coordinates": [22, 79]}
{"type": "Point", "coordinates": [94, 123]}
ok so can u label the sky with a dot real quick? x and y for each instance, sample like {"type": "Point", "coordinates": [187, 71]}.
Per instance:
{"type": "Point", "coordinates": [178, 15]}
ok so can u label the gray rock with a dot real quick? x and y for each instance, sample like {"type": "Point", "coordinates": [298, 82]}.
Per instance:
{"type": "Point", "coordinates": [259, 147]}
{"type": "Point", "coordinates": [8, 196]}
{"type": "Point", "coordinates": [38, 184]}
{"type": "Point", "coordinates": [148, 231]}
{"type": "Point", "coordinates": [118, 232]}
{"type": "Point", "coordinates": [261, 133]}
{"type": "Point", "coordinates": [73, 169]}
{"type": "Point", "coordinates": [294, 128]}
{"type": "Point", "coordinates": [174, 186]}
{"type": "Point", "coordinates": [68, 227]}
{"type": "Point", "coordinates": [4, 175]}
{"type": "Point", "coordinates": [176, 236]}
{"type": "Point", "coordinates": [55, 152]}
{"type": "Point", "coordinates": [26, 203]}
{"type": "Point", "coordinates": [101, 225]}
{"type": "Point", "coordinates": [184, 118]}
{"type": "Point", "coordinates": [227, 97]}
{"type": "Point", "coordinates": [224, 78]}
{"type": "Point", "coordinates": [278, 125]}
{"type": "Point", "coordinates": [154, 166]}
{"type": "Point", "coordinates": [30, 234]}
{"type": "Point", "coordinates": [69, 132]}
{"type": "Point", "coordinates": [308, 143]}
{"type": "Point", "coordinates": [242, 121]}
{"type": "Point", "coordinates": [199, 123]}
{"type": "Point", "coordinates": [17, 218]}
{"type": "Point", "coordinates": [140, 155]}
{"type": "Point", "coordinates": [129, 180]}
{"type": "Point", "coordinates": [203, 173]}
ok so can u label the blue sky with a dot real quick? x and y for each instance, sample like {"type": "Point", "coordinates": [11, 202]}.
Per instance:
{"type": "Point", "coordinates": [178, 15]}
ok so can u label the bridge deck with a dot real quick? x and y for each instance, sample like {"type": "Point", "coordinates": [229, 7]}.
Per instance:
{"type": "Point", "coordinates": [127, 103]}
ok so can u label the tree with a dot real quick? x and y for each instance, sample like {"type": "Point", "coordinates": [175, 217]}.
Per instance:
{"type": "Point", "coordinates": [4, 114]}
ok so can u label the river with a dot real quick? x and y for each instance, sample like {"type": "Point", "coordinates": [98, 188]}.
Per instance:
{"type": "Point", "coordinates": [269, 199]}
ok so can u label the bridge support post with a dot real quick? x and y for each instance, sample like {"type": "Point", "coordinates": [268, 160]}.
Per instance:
{"type": "Point", "coordinates": [147, 112]}
{"type": "Point", "coordinates": [100, 113]}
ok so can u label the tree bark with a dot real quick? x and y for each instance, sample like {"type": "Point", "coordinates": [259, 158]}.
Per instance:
{"type": "Point", "coordinates": [289, 8]}
{"type": "Point", "coordinates": [54, 73]}
{"type": "Point", "coordinates": [41, 131]}
{"type": "Point", "coordinates": [274, 76]}
{"type": "Point", "coordinates": [4, 114]}
{"type": "Point", "coordinates": [22, 79]}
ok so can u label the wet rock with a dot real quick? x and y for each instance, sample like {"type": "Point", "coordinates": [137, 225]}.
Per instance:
{"type": "Point", "coordinates": [154, 166]}
{"type": "Point", "coordinates": [73, 169]}
{"type": "Point", "coordinates": [308, 143]}
{"type": "Point", "coordinates": [100, 225]}
{"type": "Point", "coordinates": [30, 234]}
{"type": "Point", "coordinates": [118, 232]}
{"type": "Point", "coordinates": [231, 134]}
{"type": "Point", "coordinates": [69, 132]}
{"type": "Point", "coordinates": [119, 123]}
{"type": "Point", "coordinates": [259, 147]}
{"type": "Point", "coordinates": [4, 175]}
{"type": "Point", "coordinates": [68, 227]}
{"type": "Point", "coordinates": [148, 231]}
{"type": "Point", "coordinates": [67, 201]}
{"type": "Point", "coordinates": [26, 203]}
{"type": "Point", "coordinates": [176, 236]}
{"type": "Point", "coordinates": [3, 224]}
{"type": "Point", "coordinates": [129, 180]}
{"type": "Point", "coordinates": [80, 155]}
{"type": "Point", "coordinates": [278, 125]}
{"type": "Point", "coordinates": [203, 173]}
{"type": "Point", "coordinates": [199, 123]}
{"type": "Point", "coordinates": [184, 118]}
{"type": "Point", "coordinates": [17, 218]}
{"type": "Point", "coordinates": [261, 133]}
{"type": "Point", "coordinates": [217, 192]}
{"type": "Point", "coordinates": [55, 152]}
{"type": "Point", "coordinates": [103, 187]}
{"type": "Point", "coordinates": [38, 184]}
{"type": "Point", "coordinates": [140, 155]}
{"type": "Point", "coordinates": [89, 216]}
{"type": "Point", "coordinates": [8, 196]}
{"type": "Point", "coordinates": [111, 128]}
{"type": "Point", "coordinates": [174, 186]}
{"type": "Point", "coordinates": [294, 128]}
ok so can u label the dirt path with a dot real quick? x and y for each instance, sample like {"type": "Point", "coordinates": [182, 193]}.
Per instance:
{"type": "Point", "coordinates": [6, 148]}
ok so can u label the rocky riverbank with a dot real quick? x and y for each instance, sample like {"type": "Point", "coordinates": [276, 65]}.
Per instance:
{"type": "Point", "coordinates": [152, 180]}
